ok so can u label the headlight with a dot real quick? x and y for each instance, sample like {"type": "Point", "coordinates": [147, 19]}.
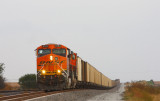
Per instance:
{"type": "Point", "coordinates": [43, 71]}
{"type": "Point", "coordinates": [51, 58]}
{"type": "Point", "coordinates": [59, 71]}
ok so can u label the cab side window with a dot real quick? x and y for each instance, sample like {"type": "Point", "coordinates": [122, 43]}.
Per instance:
{"type": "Point", "coordinates": [73, 57]}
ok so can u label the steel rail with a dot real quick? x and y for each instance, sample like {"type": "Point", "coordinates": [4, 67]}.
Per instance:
{"type": "Point", "coordinates": [25, 96]}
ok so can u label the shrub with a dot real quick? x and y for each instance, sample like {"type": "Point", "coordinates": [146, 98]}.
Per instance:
{"type": "Point", "coordinates": [28, 82]}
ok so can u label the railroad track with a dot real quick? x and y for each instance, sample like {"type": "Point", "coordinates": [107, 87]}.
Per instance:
{"type": "Point", "coordinates": [30, 95]}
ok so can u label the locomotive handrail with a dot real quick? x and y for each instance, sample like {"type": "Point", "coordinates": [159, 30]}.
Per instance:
{"type": "Point", "coordinates": [58, 65]}
{"type": "Point", "coordinates": [62, 69]}
{"type": "Point", "coordinates": [41, 69]}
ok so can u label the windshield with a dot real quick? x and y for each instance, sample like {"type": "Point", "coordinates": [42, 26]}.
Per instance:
{"type": "Point", "coordinates": [61, 52]}
{"type": "Point", "coordinates": [42, 52]}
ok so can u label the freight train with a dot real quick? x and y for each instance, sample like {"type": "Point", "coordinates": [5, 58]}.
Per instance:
{"type": "Point", "coordinates": [60, 68]}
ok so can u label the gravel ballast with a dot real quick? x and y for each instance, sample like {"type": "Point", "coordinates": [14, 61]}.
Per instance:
{"type": "Point", "coordinates": [113, 94]}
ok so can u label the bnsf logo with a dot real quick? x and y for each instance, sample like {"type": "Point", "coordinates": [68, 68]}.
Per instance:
{"type": "Point", "coordinates": [50, 62]}
{"type": "Point", "coordinates": [46, 62]}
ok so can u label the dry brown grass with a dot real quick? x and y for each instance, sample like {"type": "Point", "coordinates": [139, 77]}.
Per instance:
{"type": "Point", "coordinates": [156, 97]}
{"type": "Point", "coordinates": [11, 86]}
{"type": "Point", "coordinates": [141, 92]}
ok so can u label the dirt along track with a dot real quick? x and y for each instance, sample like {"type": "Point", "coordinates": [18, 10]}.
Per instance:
{"type": "Point", "coordinates": [113, 94]}
{"type": "Point", "coordinates": [30, 95]}
{"type": "Point", "coordinates": [10, 92]}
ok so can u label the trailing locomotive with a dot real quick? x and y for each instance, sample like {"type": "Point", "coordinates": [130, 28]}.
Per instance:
{"type": "Point", "coordinates": [60, 68]}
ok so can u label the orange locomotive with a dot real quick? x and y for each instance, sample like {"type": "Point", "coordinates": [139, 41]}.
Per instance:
{"type": "Point", "coordinates": [56, 67]}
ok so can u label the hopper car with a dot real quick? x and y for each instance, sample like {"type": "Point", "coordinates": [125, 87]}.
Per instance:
{"type": "Point", "coordinates": [60, 68]}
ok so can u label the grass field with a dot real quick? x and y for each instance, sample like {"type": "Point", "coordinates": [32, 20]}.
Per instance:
{"type": "Point", "coordinates": [137, 91]}
{"type": "Point", "coordinates": [11, 86]}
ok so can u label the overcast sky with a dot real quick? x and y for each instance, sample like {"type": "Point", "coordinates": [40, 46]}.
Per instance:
{"type": "Point", "coordinates": [121, 38]}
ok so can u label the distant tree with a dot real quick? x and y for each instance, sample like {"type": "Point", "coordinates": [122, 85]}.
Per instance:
{"type": "Point", "coordinates": [2, 79]}
{"type": "Point", "coordinates": [28, 81]}
{"type": "Point", "coordinates": [1, 68]}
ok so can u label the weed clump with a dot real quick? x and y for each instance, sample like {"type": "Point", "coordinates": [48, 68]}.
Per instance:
{"type": "Point", "coordinates": [139, 91]}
